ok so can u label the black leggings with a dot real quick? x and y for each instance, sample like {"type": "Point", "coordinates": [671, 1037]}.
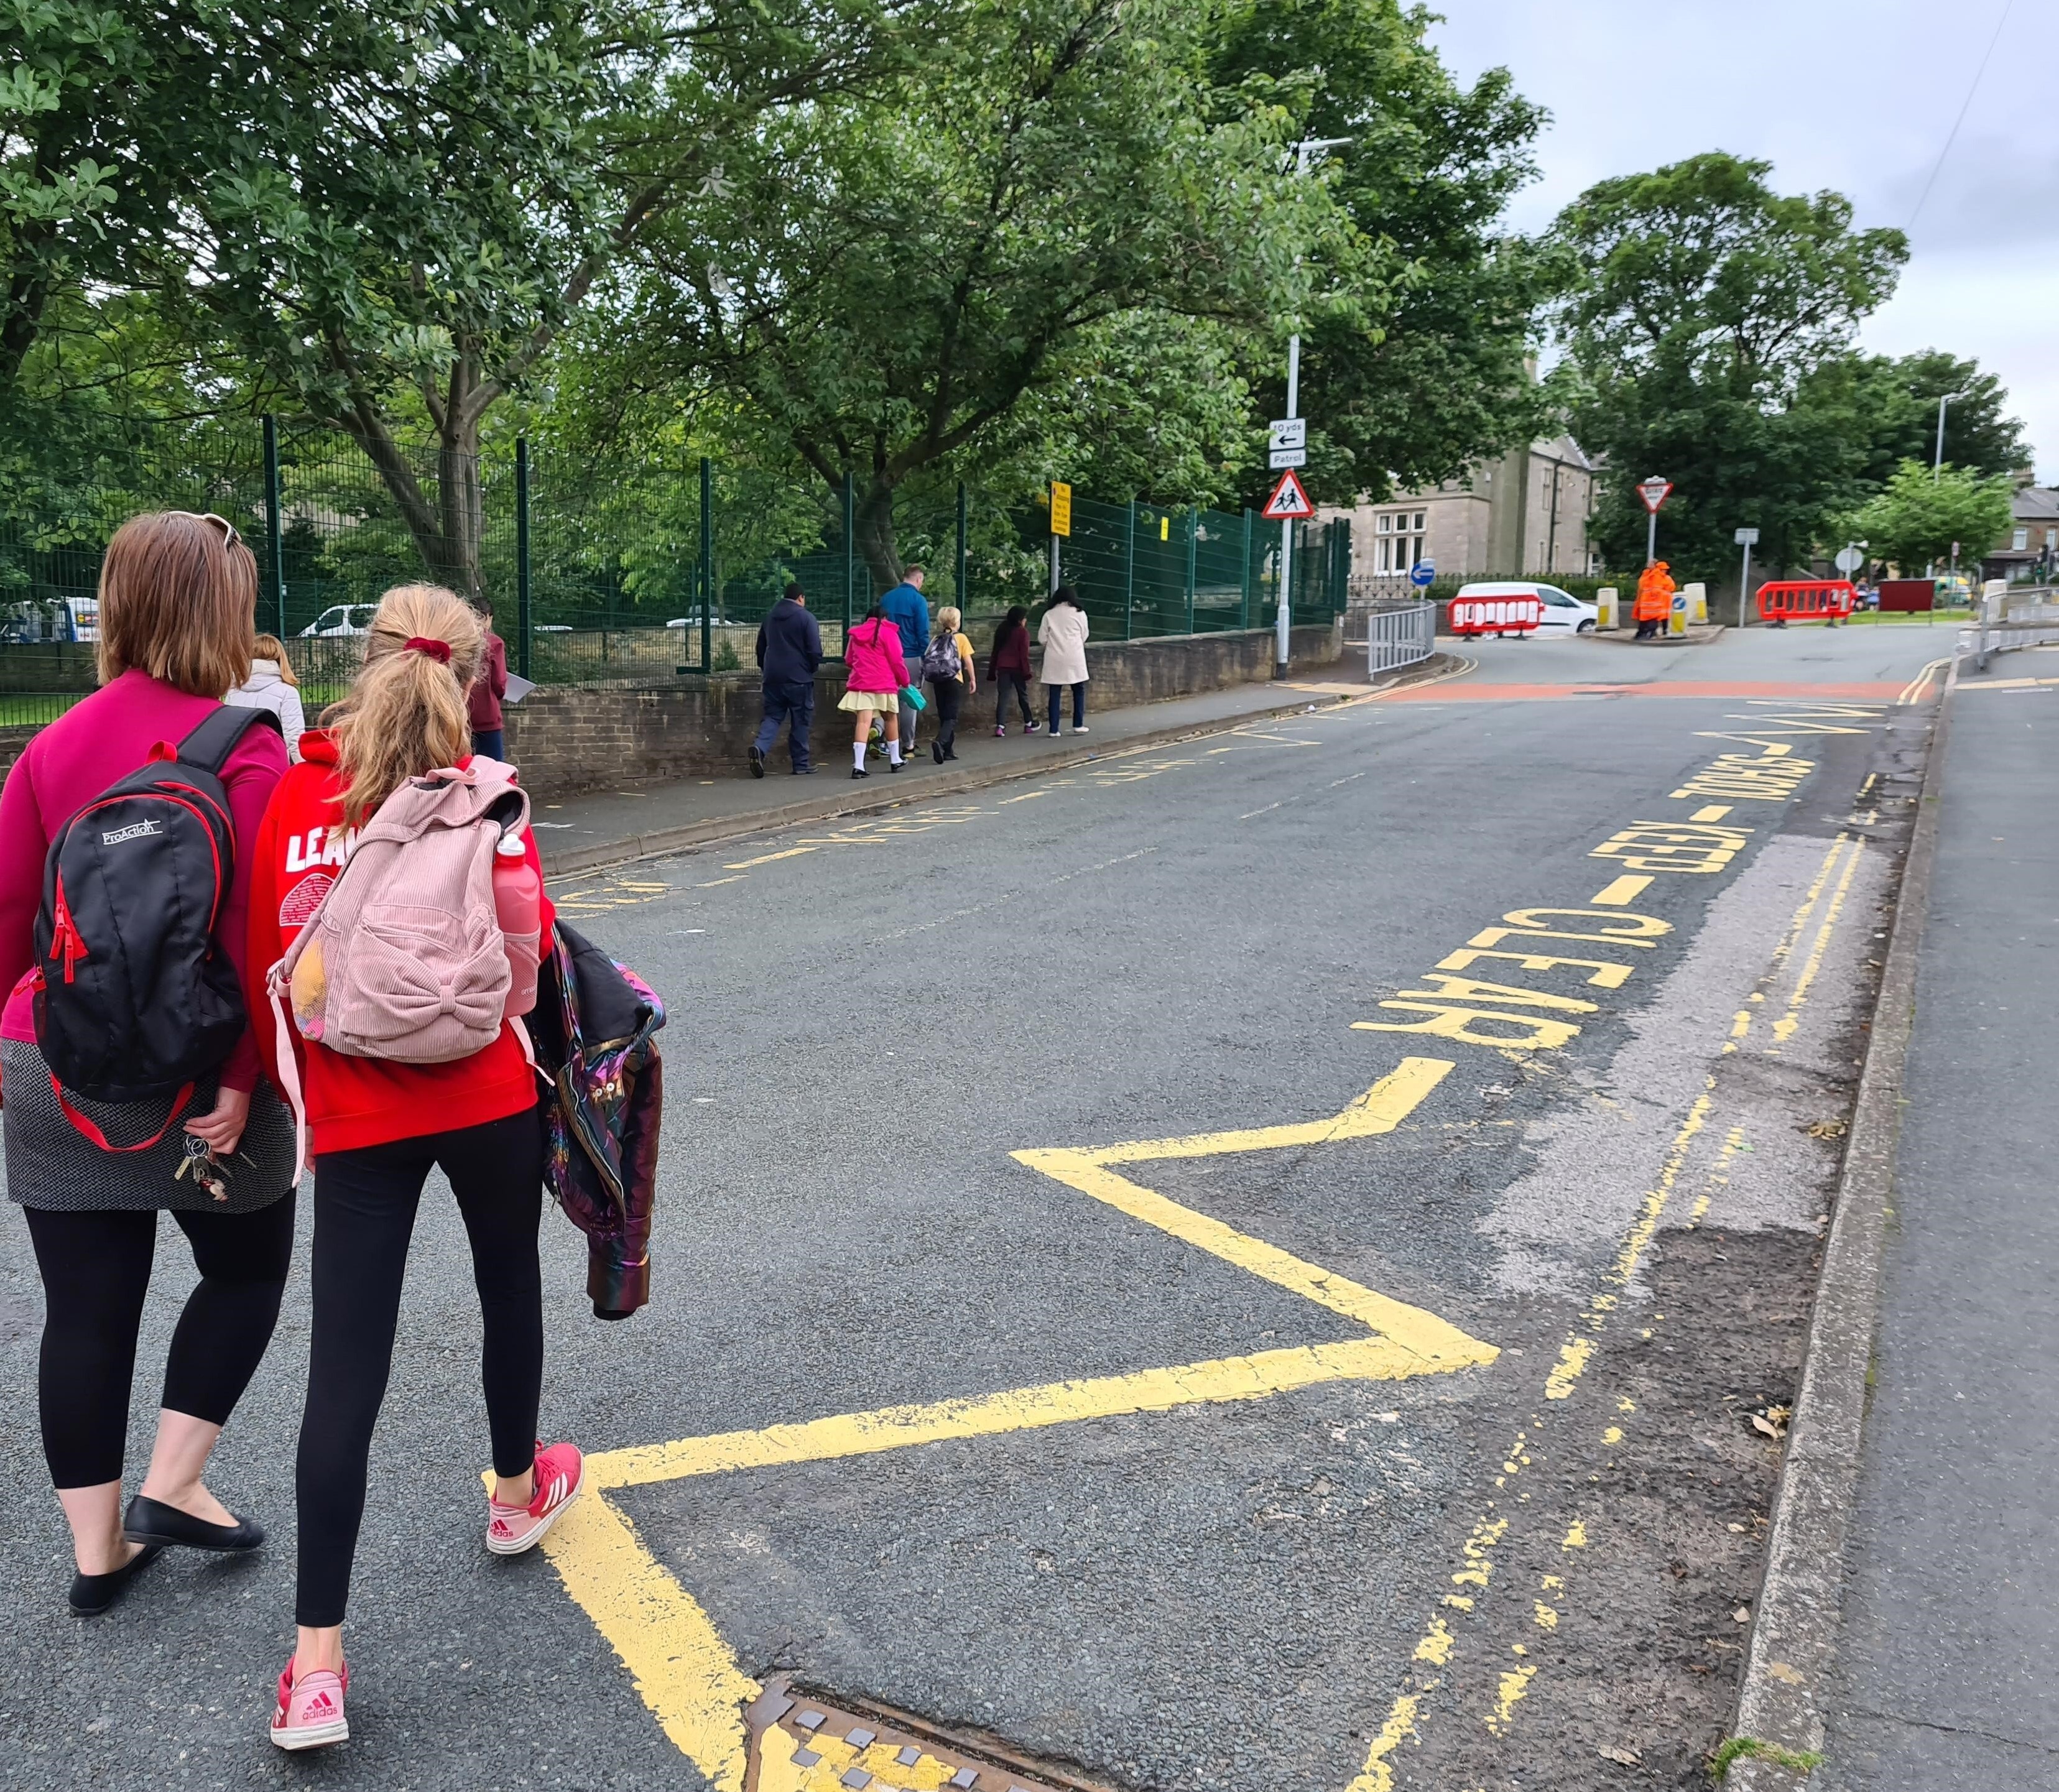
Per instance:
{"type": "Point", "coordinates": [95, 1269]}
{"type": "Point", "coordinates": [1003, 683]}
{"type": "Point", "coordinates": [364, 1215]}
{"type": "Point", "coordinates": [950, 696]}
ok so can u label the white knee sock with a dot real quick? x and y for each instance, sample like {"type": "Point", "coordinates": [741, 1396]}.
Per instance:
{"type": "Point", "coordinates": [858, 756]}
{"type": "Point", "coordinates": [894, 752]}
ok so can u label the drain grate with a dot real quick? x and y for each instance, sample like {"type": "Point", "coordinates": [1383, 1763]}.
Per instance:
{"type": "Point", "coordinates": [801, 1741]}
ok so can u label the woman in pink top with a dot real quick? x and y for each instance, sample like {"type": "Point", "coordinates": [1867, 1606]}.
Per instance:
{"type": "Point", "coordinates": [873, 685]}
{"type": "Point", "coordinates": [178, 596]}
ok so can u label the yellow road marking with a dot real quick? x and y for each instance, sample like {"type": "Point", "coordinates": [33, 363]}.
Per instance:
{"type": "Point", "coordinates": [1621, 893]}
{"type": "Point", "coordinates": [767, 858]}
{"type": "Point", "coordinates": [1027, 796]}
{"type": "Point", "coordinates": [1058, 1403]}
{"type": "Point", "coordinates": [682, 1667]}
{"type": "Point", "coordinates": [1377, 1776]}
{"type": "Point", "coordinates": [1715, 812]}
{"type": "Point", "coordinates": [1784, 1028]}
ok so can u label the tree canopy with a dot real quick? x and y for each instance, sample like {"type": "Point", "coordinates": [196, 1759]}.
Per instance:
{"type": "Point", "coordinates": [1408, 380]}
{"type": "Point", "coordinates": [1921, 515]}
{"type": "Point", "coordinates": [885, 278]}
{"type": "Point", "coordinates": [1710, 342]}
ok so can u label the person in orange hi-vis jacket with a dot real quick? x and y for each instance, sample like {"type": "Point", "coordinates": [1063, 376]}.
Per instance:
{"type": "Point", "coordinates": [1654, 600]}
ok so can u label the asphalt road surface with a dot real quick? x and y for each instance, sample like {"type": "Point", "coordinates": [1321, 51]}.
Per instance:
{"type": "Point", "coordinates": [1267, 1263]}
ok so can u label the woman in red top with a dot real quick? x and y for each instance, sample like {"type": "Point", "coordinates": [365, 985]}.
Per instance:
{"type": "Point", "coordinates": [177, 597]}
{"type": "Point", "coordinates": [377, 1128]}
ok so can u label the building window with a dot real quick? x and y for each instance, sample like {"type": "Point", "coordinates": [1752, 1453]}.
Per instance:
{"type": "Point", "coordinates": [2021, 540]}
{"type": "Point", "coordinates": [1398, 539]}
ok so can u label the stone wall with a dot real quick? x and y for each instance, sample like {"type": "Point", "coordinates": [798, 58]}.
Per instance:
{"type": "Point", "coordinates": [12, 741]}
{"type": "Point", "coordinates": [572, 737]}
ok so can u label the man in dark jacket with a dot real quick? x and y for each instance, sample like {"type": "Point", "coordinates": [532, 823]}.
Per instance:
{"type": "Point", "coordinates": [789, 648]}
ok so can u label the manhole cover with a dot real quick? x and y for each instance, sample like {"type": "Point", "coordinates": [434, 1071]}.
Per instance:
{"type": "Point", "coordinates": [801, 1741]}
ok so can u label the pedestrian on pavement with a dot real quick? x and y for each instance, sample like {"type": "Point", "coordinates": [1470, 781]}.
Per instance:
{"type": "Point", "coordinates": [1008, 666]}
{"type": "Point", "coordinates": [1654, 600]}
{"type": "Point", "coordinates": [489, 738]}
{"type": "Point", "coordinates": [272, 685]}
{"type": "Point", "coordinates": [907, 610]}
{"type": "Point", "coordinates": [789, 648]}
{"type": "Point", "coordinates": [177, 594]}
{"type": "Point", "coordinates": [947, 663]}
{"type": "Point", "coordinates": [1063, 637]}
{"type": "Point", "coordinates": [379, 1126]}
{"type": "Point", "coordinates": [872, 686]}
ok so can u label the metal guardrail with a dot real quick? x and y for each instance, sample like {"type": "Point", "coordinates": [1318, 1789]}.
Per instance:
{"type": "Point", "coordinates": [1403, 634]}
{"type": "Point", "coordinates": [2007, 620]}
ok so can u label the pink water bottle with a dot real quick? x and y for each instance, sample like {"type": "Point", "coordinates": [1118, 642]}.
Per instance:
{"type": "Point", "coordinates": [517, 903]}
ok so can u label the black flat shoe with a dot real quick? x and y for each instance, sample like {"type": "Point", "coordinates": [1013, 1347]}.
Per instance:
{"type": "Point", "coordinates": [860, 772]}
{"type": "Point", "coordinates": [152, 1523]}
{"type": "Point", "coordinates": [92, 1593]}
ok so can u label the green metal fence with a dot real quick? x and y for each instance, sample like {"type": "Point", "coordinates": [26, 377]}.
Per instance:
{"type": "Point", "coordinates": [629, 573]}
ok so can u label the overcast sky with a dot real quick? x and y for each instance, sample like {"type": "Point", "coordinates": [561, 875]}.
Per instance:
{"type": "Point", "coordinates": [1859, 95]}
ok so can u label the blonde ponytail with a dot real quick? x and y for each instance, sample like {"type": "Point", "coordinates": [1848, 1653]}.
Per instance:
{"type": "Point", "coordinates": [405, 714]}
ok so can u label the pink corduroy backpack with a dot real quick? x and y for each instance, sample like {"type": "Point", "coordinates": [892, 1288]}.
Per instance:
{"type": "Point", "coordinates": [403, 957]}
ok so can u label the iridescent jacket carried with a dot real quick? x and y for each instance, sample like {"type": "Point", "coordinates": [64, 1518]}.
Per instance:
{"type": "Point", "coordinates": [595, 1029]}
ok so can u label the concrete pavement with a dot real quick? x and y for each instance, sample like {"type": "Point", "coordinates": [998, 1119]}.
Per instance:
{"type": "Point", "coordinates": [1951, 1639]}
{"type": "Point", "coordinates": [1081, 1318]}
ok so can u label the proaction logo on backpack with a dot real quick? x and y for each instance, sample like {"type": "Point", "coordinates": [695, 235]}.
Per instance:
{"type": "Point", "coordinates": [135, 830]}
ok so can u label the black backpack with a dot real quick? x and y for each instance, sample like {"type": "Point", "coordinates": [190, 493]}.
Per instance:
{"type": "Point", "coordinates": [134, 996]}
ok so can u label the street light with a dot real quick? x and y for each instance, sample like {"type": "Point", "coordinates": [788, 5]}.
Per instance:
{"type": "Point", "coordinates": [1937, 464]}
{"type": "Point", "coordinates": [1305, 153]}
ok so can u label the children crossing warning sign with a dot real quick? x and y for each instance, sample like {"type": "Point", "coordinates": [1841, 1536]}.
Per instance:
{"type": "Point", "coordinates": [1288, 503]}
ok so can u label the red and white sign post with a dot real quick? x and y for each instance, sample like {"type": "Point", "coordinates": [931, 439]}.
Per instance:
{"type": "Point", "coordinates": [1655, 491]}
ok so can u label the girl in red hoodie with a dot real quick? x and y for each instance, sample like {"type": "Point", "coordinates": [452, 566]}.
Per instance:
{"type": "Point", "coordinates": [377, 1128]}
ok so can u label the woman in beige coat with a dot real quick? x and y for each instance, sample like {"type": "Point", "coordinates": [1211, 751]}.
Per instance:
{"type": "Point", "coordinates": [1063, 637]}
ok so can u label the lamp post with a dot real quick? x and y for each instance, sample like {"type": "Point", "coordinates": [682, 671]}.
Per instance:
{"type": "Point", "coordinates": [1305, 153]}
{"type": "Point", "coordinates": [1938, 461]}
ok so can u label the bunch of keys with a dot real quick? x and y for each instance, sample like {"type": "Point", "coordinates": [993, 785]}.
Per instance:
{"type": "Point", "coordinates": [201, 1163]}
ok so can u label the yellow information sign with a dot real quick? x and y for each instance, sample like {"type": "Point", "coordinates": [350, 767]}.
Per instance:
{"type": "Point", "coordinates": [1061, 508]}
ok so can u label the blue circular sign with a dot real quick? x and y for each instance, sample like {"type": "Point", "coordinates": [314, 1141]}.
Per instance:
{"type": "Point", "coordinates": [1422, 572]}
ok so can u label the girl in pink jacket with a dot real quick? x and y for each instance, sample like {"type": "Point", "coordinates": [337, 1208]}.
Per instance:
{"type": "Point", "coordinates": [877, 672]}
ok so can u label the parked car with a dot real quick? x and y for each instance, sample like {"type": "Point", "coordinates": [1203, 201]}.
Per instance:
{"type": "Point", "coordinates": [1564, 614]}
{"type": "Point", "coordinates": [694, 621]}
{"type": "Point", "coordinates": [341, 619]}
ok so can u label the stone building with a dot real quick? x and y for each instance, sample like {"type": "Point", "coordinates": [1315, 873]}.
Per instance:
{"type": "Point", "coordinates": [1523, 513]}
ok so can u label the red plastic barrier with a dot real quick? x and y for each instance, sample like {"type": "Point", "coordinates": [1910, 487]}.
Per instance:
{"type": "Point", "coordinates": [1496, 616]}
{"type": "Point", "coordinates": [1806, 600]}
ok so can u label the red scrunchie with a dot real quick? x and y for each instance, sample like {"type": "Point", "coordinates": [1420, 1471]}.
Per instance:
{"type": "Point", "coordinates": [437, 650]}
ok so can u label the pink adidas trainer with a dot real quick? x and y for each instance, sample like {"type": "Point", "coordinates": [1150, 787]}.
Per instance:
{"type": "Point", "coordinates": [560, 1474]}
{"type": "Point", "coordinates": [310, 1709]}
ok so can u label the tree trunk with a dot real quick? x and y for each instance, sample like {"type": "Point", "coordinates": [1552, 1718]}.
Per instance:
{"type": "Point", "coordinates": [447, 531]}
{"type": "Point", "coordinates": [874, 527]}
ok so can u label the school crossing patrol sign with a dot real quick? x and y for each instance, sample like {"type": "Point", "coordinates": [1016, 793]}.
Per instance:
{"type": "Point", "coordinates": [1288, 503]}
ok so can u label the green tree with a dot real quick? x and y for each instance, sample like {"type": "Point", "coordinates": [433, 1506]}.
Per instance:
{"type": "Point", "coordinates": [406, 206]}
{"type": "Point", "coordinates": [1708, 342]}
{"type": "Point", "coordinates": [886, 280]}
{"type": "Point", "coordinates": [1423, 373]}
{"type": "Point", "coordinates": [87, 177]}
{"type": "Point", "coordinates": [1899, 398]}
{"type": "Point", "coordinates": [1916, 519]}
